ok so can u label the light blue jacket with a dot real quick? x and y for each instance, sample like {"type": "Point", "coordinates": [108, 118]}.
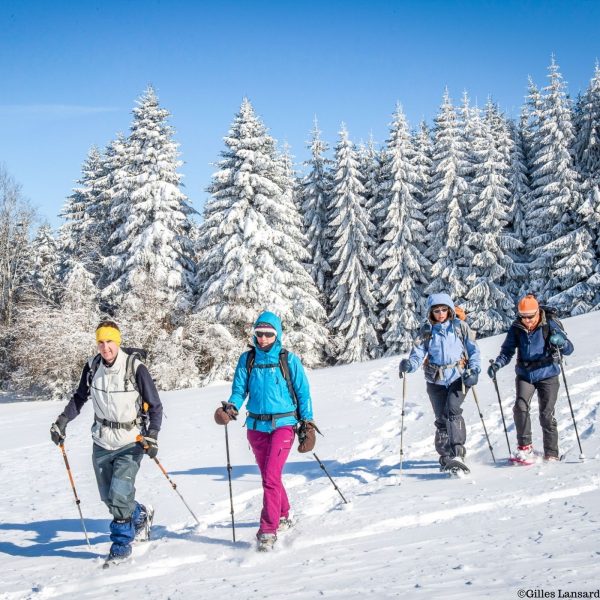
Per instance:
{"type": "Point", "coordinates": [444, 348]}
{"type": "Point", "coordinates": [267, 389]}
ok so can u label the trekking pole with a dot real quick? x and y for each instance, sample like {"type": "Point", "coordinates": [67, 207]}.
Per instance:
{"type": "Point", "coordinates": [332, 481]}
{"type": "Point", "coordinates": [483, 423]}
{"type": "Point", "coordinates": [562, 370]}
{"type": "Point", "coordinates": [77, 501]}
{"type": "Point", "coordinates": [173, 484]}
{"type": "Point", "coordinates": [402, 426]}
{"type": "Point", "coordinates": [501, 411]}
{"type": "Point", "coordinates": [229, 477]}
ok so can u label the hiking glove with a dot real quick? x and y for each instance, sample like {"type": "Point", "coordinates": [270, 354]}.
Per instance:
{"type": "Point", "coordinates": [150, 443]}
{"type": "Point", "coordinates": [307, 436]}
{"type": "Point", "coordinates": [470, 377]}
{"type": "Point", "coordinates": [493, 369]}
{"type": "Point", "coordinates": [58, 430]}
{"type": "Point", "coordinates": [225, 413]}
{"type": "Point", "coordinates": [558, 339]}
{"type": "Point", "coordinates": [404, 367]}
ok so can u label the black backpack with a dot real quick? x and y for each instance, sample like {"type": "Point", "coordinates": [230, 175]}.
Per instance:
{"type": "Point", "coordinates": [284, 367]}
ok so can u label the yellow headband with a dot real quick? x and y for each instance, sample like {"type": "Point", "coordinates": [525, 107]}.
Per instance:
{"type": "Point", "coordinates": [108, 334]}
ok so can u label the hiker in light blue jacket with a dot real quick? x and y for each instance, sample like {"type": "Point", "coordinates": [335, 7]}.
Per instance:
{"type": "Point", "coordinates": [446, 346]}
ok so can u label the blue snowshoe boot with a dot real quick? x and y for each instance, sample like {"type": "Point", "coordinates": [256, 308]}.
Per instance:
{"type": "Point", "coordinates": [118, 553]}
{"type": "Point", "coordinates": [142, 517]}
{"type": "Point", "coordinates": [122, 533]}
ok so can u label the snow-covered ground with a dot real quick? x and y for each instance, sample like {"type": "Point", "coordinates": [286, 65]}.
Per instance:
{"type": "Point", "coordinates": [424, 535]}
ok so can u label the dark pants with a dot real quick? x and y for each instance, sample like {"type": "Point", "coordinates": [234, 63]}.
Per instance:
{"type": "Point", "coordinates": [547, 392]}
{"type": "Point", "coordinates": [115, 473]}
{"type": "Point", "coordinates": [450, 435]}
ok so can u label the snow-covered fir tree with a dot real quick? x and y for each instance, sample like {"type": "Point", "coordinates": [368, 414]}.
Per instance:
{"type": "Point", "coordinates": [518, 177]}
{"type": "Point", "coordinates": [423, 148]}
{"type": "Point", "coordinates": [563, 258]}
{"type": "Point", "coordinates": [471, 129]}
{"type": "Point", "coordinates": [489, 304]}
{"type": "Point", "coordinates": [587, 161]}
{"type": "Point", "coordinates": [315, 190]}
{"type": "Point", "coordinates": [446, 223]}
{"type": "Point", "coordinates": [43, 279]}
{"type": "Point", "coordinates": [151, 248]}
{"type": "Point", "coordinates": [353, 312]}
{"type": "Point", "coordinates": [253, 248]}
{"type": "Point", "coordinates": [370, 165]}
{"type": "Point", "coordinates": [111, 185]}
{"type": "Point", "coordinates": [402, 267]}
{"type": "Point", "coordinates": [84, 230]}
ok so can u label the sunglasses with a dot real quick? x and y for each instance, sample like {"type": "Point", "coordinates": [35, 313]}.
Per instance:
{"type": "Point", "coordinates": [437, 311]}
{"type": "Point", "coordinates": [261, 334]}
{"type": "Point", "coordinates": [527, 318]}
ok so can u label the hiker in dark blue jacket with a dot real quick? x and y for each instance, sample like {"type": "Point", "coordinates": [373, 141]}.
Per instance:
{"type": "Point", "coordinates": [451, 360]}
{"type": "Point", "coordinates": [536, 338]}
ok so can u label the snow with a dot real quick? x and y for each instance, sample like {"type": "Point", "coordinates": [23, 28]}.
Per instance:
{"type": "Point", "coordinates": [421, 535]}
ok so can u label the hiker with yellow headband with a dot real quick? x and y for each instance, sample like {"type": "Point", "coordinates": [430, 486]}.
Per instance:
{"type": "Point", "coordinates": [121, 388]}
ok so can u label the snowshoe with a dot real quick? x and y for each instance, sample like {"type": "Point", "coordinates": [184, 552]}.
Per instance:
{"type": "Point", "coordinates": [524, 456]}
{"type": "Point", "coordinates": [285, 523]}
{"type": "Point", "coordinates": [266, 541]}
{"type": "Point", "coordinates": [454, 465]}
{"type": "Point", "coordinates": [142, 529]}
{"type": "Point", "coordinates": [118, 553]}
{"type": "Point", "coordinates": [551, 458]}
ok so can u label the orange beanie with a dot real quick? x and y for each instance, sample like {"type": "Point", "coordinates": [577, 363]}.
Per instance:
{"type": "Point", "coordinates": [528, 305]}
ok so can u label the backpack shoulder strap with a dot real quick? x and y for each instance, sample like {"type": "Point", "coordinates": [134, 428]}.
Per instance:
{"type": "Point", "coordinates": [133, 361]}
{"type": "Point", "coordinates": [250, 358]}
{"type": "Point", "coordinates": [284, 365]}
{"type": "Point", "coordinates": [424, 336]}
{"type": "Point", "coordinates": [93, 364]}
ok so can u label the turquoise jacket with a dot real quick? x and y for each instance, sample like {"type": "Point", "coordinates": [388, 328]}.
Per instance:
{"type": "Point", "coordinates": [267, 389]}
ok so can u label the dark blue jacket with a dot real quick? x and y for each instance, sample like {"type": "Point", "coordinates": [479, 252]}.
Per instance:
{"type": "Point", "coordinates": [535, 359]}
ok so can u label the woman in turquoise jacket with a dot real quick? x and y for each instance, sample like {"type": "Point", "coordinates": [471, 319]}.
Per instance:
{"type": "Point", "coordinates": [452, 364]}
{"type": "Point", "coordinates": [276, 405]}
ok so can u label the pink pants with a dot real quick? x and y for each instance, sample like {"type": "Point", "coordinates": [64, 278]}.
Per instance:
{"type": "Point", "coordinates": [271, 451]}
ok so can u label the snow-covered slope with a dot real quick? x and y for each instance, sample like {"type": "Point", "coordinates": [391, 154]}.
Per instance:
{"type": "Point", "coordinates": [423, 535]}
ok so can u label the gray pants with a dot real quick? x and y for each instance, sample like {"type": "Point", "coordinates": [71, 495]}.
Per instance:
{"type": "Point", "coordinates": [450, 434]}
{"type": "Point", "coordinates": [547, 392]}
{"type": "Point", "coordinates": [115, 473]}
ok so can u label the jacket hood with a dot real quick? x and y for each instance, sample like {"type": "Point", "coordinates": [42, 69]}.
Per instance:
{"type": "Point", "coordinates": [441, 298]}
{"type": "Point", "coordinates": [275, 321]}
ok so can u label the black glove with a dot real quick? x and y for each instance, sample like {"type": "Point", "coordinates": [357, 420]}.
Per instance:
{"type": "Point", "coordinates": [404, 367]}
{"type": "Point", "coordinates": [150, 443]}
{"type": "Point", "coordinates": [558, 339]}
{"type": "Point", "coordinates": [492, 370]}
{"type": "Point", "coordinates": [225, 413]}
{"type": "Point", "coordinates": [58, 430]}
{"type": "Point", "coordinates": [470, 377]}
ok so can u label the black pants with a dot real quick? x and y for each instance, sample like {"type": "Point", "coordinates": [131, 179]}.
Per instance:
{"type": "Point", "coordinates": [547, 392]}
{"type": "Point", "coordinates": [450, 434]}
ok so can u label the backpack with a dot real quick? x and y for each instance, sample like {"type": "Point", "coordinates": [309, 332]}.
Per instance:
{"type": "Point", "coordinates": [284, 367]}
{"type": "Point", "coordinates": [460, 313]}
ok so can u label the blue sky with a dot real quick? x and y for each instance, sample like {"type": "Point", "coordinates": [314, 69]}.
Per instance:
{"type": "Point", "coordinates": [71, 71]}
